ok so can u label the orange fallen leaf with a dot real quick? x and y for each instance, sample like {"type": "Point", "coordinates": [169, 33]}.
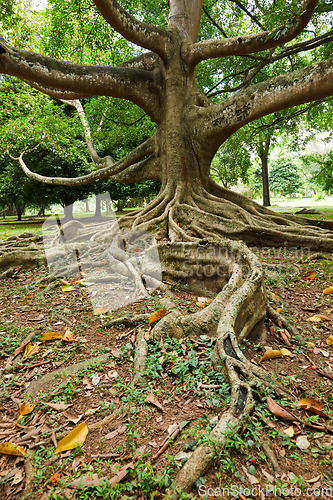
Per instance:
{"type": "Point", "coordinates": [75, 438]}
{"type": "Point", "coordinates": [49, 336]}
{"type": "Point", "coordinates": [329, 340]}
{"type": "Point", "coordinates": [272, 354]}
{"type": "Point", "coordinates": [312, 405]}
{"type": "Point", "coordinates": [319, 317]}
{"type": "Point", "coordinates": [68, 336]}
{"type": "Point", "coordinates": [310, 275]}
{"type": "Point", "coordinates": [30, 350]}
{"type": "Point", "coordinates": [328, 290]}
{"type": "Point", "coordinates": [66, 283]}
{"type": "Point", "coordinates": [158, 315]}
{"type": "Point", "coordinates": [12, 449]}
{"type": "Point", "coordinates": [200, 304]}
{"type": "Point", "coordinates": [21, 348]}
{"type": "Point", "coordinates": [100, 310]}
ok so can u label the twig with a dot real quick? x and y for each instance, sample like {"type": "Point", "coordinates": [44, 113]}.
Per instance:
{"type": "Point", "coordinates": [266, 446]}
{"type": "Point", "coordinates": [167, 440]}
{"type": "Point", "coordinates": [53, 437]}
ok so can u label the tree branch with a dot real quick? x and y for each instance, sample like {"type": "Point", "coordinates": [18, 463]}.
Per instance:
{"type": "Point", "coordinates": [98, 161]}
{"type": "Point", "coordinates": [145, 170]}
{"type": "Point", "coordinates": [143, 34]}
{"type": "Point", "coordinates": [215, 23]}
{"type": "Point", "coordinates": [147, 61]}
{"type": "Point", "coordinates": [145, 149]}
{"type": "Point", "coordinates": [241, 6]}
{"type": "Point", "coordinates": [249, 44]}
{"type": "Point", "coordinates": [221, 120]}
{"type": "Point", "coordinates": [135, 85]}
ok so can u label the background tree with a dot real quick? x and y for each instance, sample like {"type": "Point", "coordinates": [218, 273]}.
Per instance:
{"type": "Point", "coordinates": [283, 176]}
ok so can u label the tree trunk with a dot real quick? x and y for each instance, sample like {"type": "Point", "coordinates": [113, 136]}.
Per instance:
{"type": "Point", "coordinates": [41, 211]}
{"type": "Point", "coordinates": [264, 171]}
{"type": "Point", "coordinates": [87, 206]}
{"type": "Point", "coordinates": [68, 212]}
{"type": "Point", "coordinates": [98, 206]}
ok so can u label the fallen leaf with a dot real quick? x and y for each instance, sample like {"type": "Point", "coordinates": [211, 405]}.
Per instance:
{"type": "Point", "coordinates": [69, 288]}
{"type": "Point", "coordinates": [151, 399]}
{"type": "Point", "coordinates": [312, 405]}
{"type": "Point", "coordinates": [12, 449]}
{"type": "Point", "coordinates": [302, 442]}
{"type": "Point", "coordinates": [72, 417]}
{"type": "Point", "coordinates": [95, 379]}
{"type": "Point", "coordinates": [49, 336]}
{"type": "Point", "coordinates": [121, 474]}
{"type": "Point", "coordinates": [68, 336]}
{"type": "Point", "coordinates": [87, 383]}
{"type": "Point", "coordinates": [200, 304]}
{"type": "Point", "coordinates": [87, 482]}
{"type": "Point", "coordinates": [113, 374]}
{"type": "Point", "coordinates": [30, 350]}
{"type": "Point", "coordinates": [281, 412]}
{"type": "Point", "coordinates": [21, 348]}
{"type": "Point", "coordinates": [115, 433]}
{"type": "Point", "coordinates": [271, 354]}
{"type": "Point", "coordinates": [158, 315]}
{"type": "Point", "coordinates": [25, 409]}
{"type": "Point", "coordinates": [268, 476]}
{"type": "Point", "coordinates": [319, 317]}
{"type": "Point", "coordinates": [59, 406]}
{"type": "Point", "coordinates": [75, 438]}
{"type": "Point", "coordinates": [207, 300]}
{"type": "Point", "coordinates": [310, 275]}
{"type": "Point", "coordinates": [100, 310]}
{"type": "Point", "coordinates": [314, 480]}
{"type": "Point", "coordinates": [182, 455]}
{"type": "Point", "coordinates": [289, 431]}
{"type": "Point", "coordinates": [252, 479]}
{"type": "Point", "coordinates": [329, 340]}
{"type": "Point", "coordinates": [328, 290]}
{"type": "Point", "coordinates": [66, 283]}
{"type": "Point", "coordinates": [17, 478]}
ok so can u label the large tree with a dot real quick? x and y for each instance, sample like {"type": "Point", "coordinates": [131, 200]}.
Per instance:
{"type": "Point", "coordinates": [194, 213]}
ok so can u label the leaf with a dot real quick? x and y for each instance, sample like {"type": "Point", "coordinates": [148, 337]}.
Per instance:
{"type": "Point", "coordinates": [271, 354]}
{"type": "Point", "coordinates": [66, 283]}
{"type": "Point", "coordinates": [30, 350]}
{"type": "Point", "coordinates": [100, 310]}
{"type": "Point", "coordinates": [319, 317]}
{"type": "Point", "coordinates": [303, 443]}
{"type": "Point", "coordinates": [55, 478]}
{"type": "Point", "coordinates": [68, 336]}
{"type": "Point", "coordinates": [12, 449]}
{"type": "Point", "coordinates": [75, 438]}
{"type": "Point", "coordinates": [58, 406]}
{"type": "Point", "coordinates": [280, 412]}
{"type": "Point", "coordinates": [49, 336]}
{"type": "Point", "coordinates": [200, 304]}
{"type": "Point", "coordinates": [289, 431]}
{"type": "Point", "coordinates": [158, 315]}
{"type": "Point", "coordinates": [328, 290]}
{"type": "Point", "coordinates": [310, 275]}
{"type": "Point", "coordinates": [121, 474]}
{"type": "Point", "coordinates": [329, 340]}
{"type": "Point", "coordinates": [25, 409]}
{"type": "Point", "coordinates": [115, 433]}
{"type": "Point", "coordinates": [207, 300]}
{"type": "Point", "coordinates": [21, 348]}
{"type": "Point", "coordinates": [312, 405]}
{"type": "Point", "coordinates": [69, 288]}
{"type": "Point", "coordinates": [72, 417]}
{"type": "Point", "coordinates": [151, 399]}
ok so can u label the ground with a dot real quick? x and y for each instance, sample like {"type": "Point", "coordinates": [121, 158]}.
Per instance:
{"type": "Point", "coordinates": [181, 387]}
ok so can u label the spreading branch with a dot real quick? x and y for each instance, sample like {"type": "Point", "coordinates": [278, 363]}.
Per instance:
{"type": "Point", "coordinates": [221, 120]}
{"type": "Point", "coordinates": [143, 34]}
{"type": "Point", "coordinates": [136, 85]}
{"type": "Point", "coordinates": [130, 160]}
{"type": "Point", "coordinates": [185, 15]}
{"type": "Point", "coordinates": [249, 44]}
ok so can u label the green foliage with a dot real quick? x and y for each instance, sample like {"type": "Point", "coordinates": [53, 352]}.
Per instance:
{"type": "Point", "coordinates": [320, 165]}
{"type": "Point", "coordinates": [283, 177]}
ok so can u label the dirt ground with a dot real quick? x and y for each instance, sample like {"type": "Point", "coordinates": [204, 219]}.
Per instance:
{"type": "Point", "coordinates": [149, 430]}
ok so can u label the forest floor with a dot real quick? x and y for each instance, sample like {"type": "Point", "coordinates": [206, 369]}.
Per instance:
{"type": "Point", "coordinates": [132, 454]}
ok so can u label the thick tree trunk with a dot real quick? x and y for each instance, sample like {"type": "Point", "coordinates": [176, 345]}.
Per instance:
{"type": "Point", "coordinates": [98, 212]}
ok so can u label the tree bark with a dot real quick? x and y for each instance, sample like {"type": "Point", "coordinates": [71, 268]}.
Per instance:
{"type": "Point", "coordinates": [264, 172]}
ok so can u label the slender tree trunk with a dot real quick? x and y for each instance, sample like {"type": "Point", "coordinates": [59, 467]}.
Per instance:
{"type": "Point", "coordinates": [98, 212]}
{"type": "Point", "coordinates": [264, 172]}
{"type": "Point", "coordinates": [87, 206]}
{"type": "Point", "coordinates": [68, 212]}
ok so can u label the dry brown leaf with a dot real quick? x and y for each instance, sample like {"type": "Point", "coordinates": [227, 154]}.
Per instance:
{"type": "Point", "coordinates": [310, 275]}
{"type": "Point", "coordinates": [75, 438]}
{"type": "Point", "coordinates": [252, 479]}
{"type": "Point", "coordinates": [115, 433]}
{"type": "Point", "coordinates": [272, 354]}
{"type": "Point", "coordinates": [151, 399]}
{"type": "Point", "coordinates": [122, 473]}
{"type": "Point", "coordinates": [158, 315]}
{"type": "Point", "coordinates": [312, 405]}
{"type": "Point", "coordinates": [328, 290]}
{"type": "Point", "coordinates": [59, 406]}
{"type": "Point", "coordinates": [12, 449]}
{"type": "Point", "coordinates": [72, 417]}
{"type": "Point", "coordinates": [68, 336]}
{"type": "Point", "coordinates": [281, 412]}
{"type": "Point", "coordinates": [21, 348]}
{"type": "Point", "coordinates": [319, 317]}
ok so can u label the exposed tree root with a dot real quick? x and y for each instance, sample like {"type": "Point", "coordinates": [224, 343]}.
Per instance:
{"type": "Point", "coordinates": [203, 248]}
{"type": "Point", "coordinates": [29, 475]}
